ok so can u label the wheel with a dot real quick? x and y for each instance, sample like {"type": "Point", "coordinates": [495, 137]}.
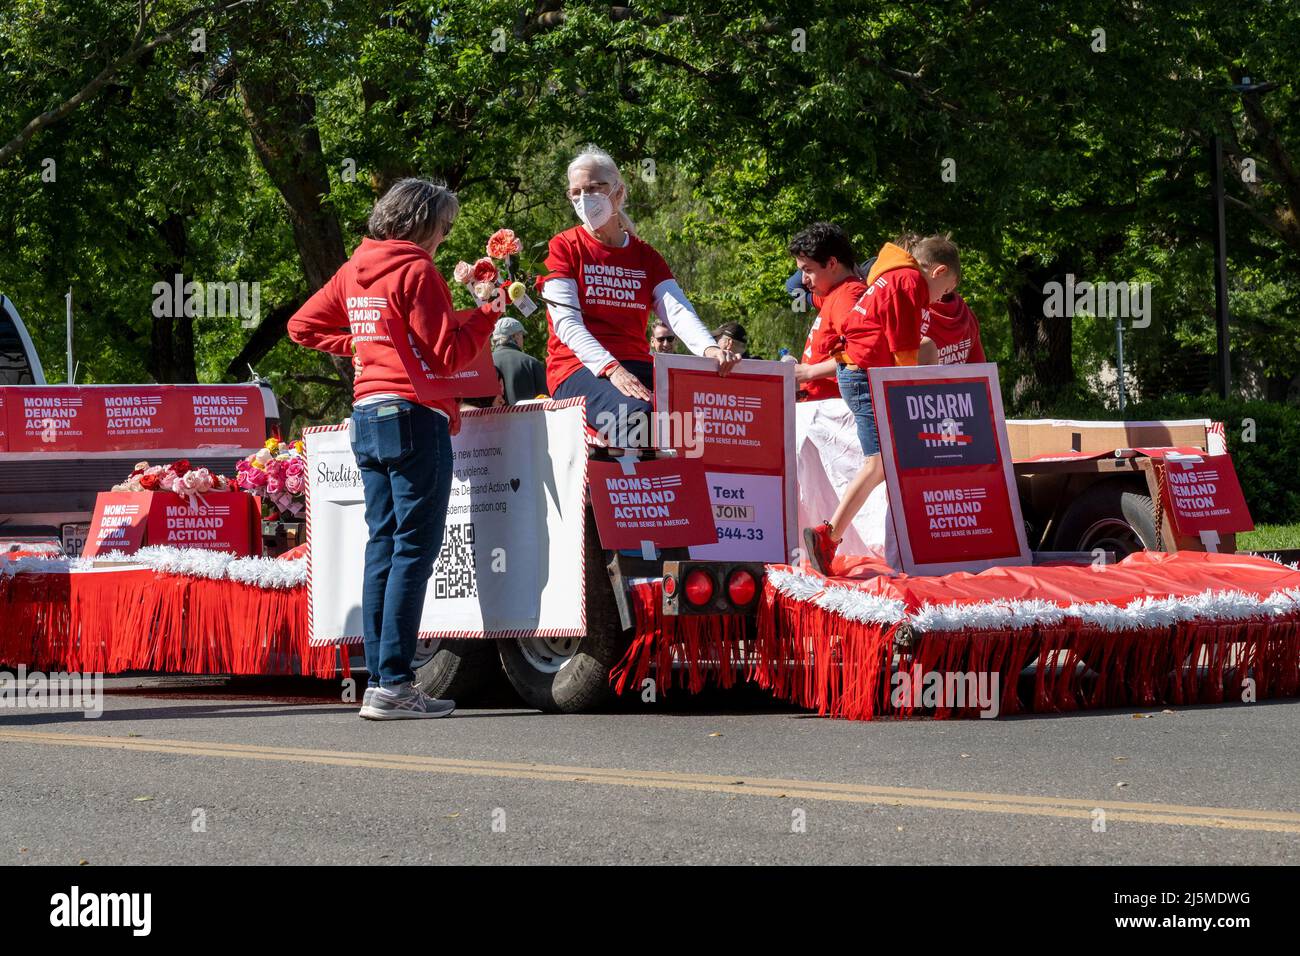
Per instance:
{"type": "Point", "coordinates": [1112, 515]}
{"type": "Point", "coordinates": [569, 675]}
{"type": "Point", "coordinates": [459, 670]}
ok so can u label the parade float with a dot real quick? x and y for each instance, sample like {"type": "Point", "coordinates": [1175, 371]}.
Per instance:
{"type": "Point", "coordinates": [1066, 565]}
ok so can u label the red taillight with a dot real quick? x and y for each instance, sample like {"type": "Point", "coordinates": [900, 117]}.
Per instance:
{"type": "Point", "coordinates": [670, 585]}
{"type": "Point", "coordinates": [741, 587]}
{"type": "Point", "coordinates": [699, 587]}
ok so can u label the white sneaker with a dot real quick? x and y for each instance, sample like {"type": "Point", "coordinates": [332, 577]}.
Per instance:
{"type": "Point", "coordinates": [406, 702]}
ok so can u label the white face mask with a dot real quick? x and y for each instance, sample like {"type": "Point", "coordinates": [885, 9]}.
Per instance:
{"type": "Point", "coordinates": [593, 209]}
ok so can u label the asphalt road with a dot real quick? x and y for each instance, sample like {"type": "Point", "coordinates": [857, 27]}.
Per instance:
{"type": "Point", "coordinates": [212, 771]}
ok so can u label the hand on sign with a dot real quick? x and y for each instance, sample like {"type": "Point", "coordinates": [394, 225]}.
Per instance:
{"type": "Point", "coordinates": [804, 373]}
{"type": "Point", "coordinates": [628, 384]}
{"type": "Point", "coordinates": [725, 359]}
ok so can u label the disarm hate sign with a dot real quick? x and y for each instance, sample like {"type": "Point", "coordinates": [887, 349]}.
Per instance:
{"type": "Point", "coordinates": [952, 494]}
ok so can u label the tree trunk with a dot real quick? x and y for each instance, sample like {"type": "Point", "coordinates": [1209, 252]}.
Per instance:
{"type": "Point", "coordinates": [1042, 346]}
{"type": "Point", "coordinates": [171, 337]}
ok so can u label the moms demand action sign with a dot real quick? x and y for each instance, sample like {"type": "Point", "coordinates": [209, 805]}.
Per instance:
{"type": "Point", "coordinates": [664, 502]}
{"type": "Point", "coordinates": [1203, 494]}
{"type": "Point", "coordinates": [91, 419]}
{"type": "Point", "coordinates": [217, 521]}
{"type": "Point", "coordinates": [952, 494]}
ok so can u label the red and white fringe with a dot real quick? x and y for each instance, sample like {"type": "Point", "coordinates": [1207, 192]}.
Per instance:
{"type": "Point", "coordinates": [129, 619]}
{"type": "Point", "coordinates": [694, 648]}
{"type": "Point", "coordinates": [833, 648]}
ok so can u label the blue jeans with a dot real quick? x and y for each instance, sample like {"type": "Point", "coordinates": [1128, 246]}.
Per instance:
{"type": "Point", "coordinates": [855, 389]}
{"type": "Point", "coordinates": [609, 411]}
{"type": "Point", "coordinates": [404, 453]}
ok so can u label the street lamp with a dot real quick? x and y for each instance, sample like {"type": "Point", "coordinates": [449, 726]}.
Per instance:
{"type": "Point", "coordinates": [1221, 243]}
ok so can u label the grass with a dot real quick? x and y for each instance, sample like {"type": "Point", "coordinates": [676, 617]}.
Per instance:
{"type": "Point", "coordinates": [1270, 537]}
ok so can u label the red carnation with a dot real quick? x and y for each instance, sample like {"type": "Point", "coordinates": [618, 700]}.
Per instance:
{"type": "Point", "coordinates": [485, 270]}
{"type": "Point", "coordinates": [503, 244]}
{"type": "Point", "coordinates": [181, 467]}
{"type": "Point", "coordinates": [148, 482]}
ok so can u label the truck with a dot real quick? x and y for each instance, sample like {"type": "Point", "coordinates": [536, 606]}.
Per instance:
{"type": "Point", "coordinates": [47, 495]}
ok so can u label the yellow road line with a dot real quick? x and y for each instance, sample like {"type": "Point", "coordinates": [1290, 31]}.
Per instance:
{"type": "Point", "coordinates": [1231, 818]}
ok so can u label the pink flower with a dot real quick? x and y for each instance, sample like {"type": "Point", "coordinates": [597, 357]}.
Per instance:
{"type": "Point", "coordinates": [485, 270]}
{"type": "Point", "coordinates": [503, 244]}
{"type": "Point", "coordinates": [483, 290]}
{"type": "Point", "coordinates": [294, 484]}
{"type": "Point", "coordinates": [273, 484]}
{"type": "Point", "coordinates": [463, 273]}
{"type": "Point", "coordinates": [296, 466]}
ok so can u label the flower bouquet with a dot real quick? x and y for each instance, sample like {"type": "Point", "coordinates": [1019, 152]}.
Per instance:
{"type": "Point", "coordinates": [484, 277]}
{"type": "Point", "coordinates": [278, 473]}
{"type": "Point", "coordinates": [178, 477]}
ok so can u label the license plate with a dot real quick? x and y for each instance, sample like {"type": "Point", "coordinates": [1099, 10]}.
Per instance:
{"type": "Point", "coordinates": [74, 538]}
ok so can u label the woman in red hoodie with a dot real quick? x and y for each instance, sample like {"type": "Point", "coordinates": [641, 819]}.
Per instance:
{"type": "Point", "coordinates": [391, 311]}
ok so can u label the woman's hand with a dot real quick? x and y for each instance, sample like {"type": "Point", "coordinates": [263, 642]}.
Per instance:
{"type": "Point", "coordinates": [628, 384]}
{"type": "Point", "coordinates": [724, 358]}
{"type": "Point", "coordinates": [803, 373]}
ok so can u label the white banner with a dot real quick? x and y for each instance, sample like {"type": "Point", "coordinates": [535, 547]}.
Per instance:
{"type": "Point", "coordinates": [511, 563]}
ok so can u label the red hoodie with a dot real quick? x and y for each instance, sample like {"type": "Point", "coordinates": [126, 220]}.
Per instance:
{"type": "Point", "coordinates": [887, 319]}
{"type": "Point", "coordinates": [952, 326]}
{"type": "Point", "coordinates": [386, 280]}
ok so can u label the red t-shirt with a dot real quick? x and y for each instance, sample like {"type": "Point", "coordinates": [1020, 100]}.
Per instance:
{"type": "Point", "coordinates": [887, 319]}
{"type": "Point", "coordinates": [615, 295]}
{"type": "Point", "coordinates": [824, 336]}
{"type": "Point", "coordinates": [953, 328]}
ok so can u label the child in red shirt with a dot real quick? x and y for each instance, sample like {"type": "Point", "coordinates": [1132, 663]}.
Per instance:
{"type": "Point", "coordinates": [950, 333]}
{"type": "Point", "coordinates": [881, 330]}
{"type": "Point", "coordinates": [826, 263]}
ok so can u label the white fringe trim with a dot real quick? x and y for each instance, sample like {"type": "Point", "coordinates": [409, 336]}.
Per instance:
{"type": "Point", "coordinates": [190, 562]}
{"type": "Point", "coordinates": [1139, 614]}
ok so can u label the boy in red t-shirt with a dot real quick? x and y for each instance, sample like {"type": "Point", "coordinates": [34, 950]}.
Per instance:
{"type": "Point", "coordinates": [881, 330]}
{"type": "Point", "coordinates": [826, 263]}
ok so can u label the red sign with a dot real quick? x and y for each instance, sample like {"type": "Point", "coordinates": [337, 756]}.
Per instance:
{"type": "Point", "coordinates": [477, 381]}
{"type": "Point", "coordinates": [664, 501]}
{"type": "Point", "coordinates": [218, 416]}
{"type": "Point", "coordinates": [118, 523]}
{"type": "Point", "coordinates": [53, 418]}
{"type": "Point", "coordinates": [1203, 494]}
{"type": "Point", "coordinates": [739, 418]}
{"type": "Point", "coordinates": [952, 495]}
{"type": "Point", "coordinates": [218, 521]}
{"type": "Point", "coordinates": [133, 418]}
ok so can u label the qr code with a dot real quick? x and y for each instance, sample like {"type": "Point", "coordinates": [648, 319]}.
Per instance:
{"type": "Point", "coordinates": [453, 572]}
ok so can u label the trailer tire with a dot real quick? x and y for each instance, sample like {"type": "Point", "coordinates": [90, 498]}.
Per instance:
{"type": "Point", "coordinates": [460, 670]}
{"type": "Point", "coordinates": [1113, 515]}
{"type": "Point", "coordinates": [571, 675]}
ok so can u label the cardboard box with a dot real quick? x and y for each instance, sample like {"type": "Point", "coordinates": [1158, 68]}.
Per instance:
{"type": "Point", "coordinates": [1047, 436]}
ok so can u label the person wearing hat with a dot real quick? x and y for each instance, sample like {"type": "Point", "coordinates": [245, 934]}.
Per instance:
{"type": "Point", "coordinates": [731, 337]}
{"type": "Point", "coordinates": [522, 376]}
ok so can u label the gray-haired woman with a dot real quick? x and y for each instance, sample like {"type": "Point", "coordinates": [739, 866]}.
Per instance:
{"type": "Point", "coordinates": [603, 284]}
{"type": "Point", "coordinates": [390, 309]}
